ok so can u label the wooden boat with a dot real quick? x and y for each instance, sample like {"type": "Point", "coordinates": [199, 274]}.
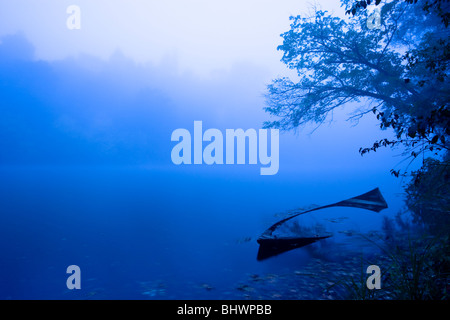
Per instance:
{"type": "Point", "coordinates": [270, 245]}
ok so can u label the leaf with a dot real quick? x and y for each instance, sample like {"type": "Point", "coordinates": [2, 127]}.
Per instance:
{"type": "Point", "coordinates": [435, 139]}
{"type": "Point", "coordinates": [395, 173]}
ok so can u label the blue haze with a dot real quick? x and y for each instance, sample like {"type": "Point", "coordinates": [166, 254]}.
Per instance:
{"type": "Point", "coordinates": [86, 178]}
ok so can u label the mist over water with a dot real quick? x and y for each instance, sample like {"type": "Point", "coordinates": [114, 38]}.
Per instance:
{"type": "Point", "coordinates": [87, 179]}
{"type": "Point", "coordinates": [128, 228]}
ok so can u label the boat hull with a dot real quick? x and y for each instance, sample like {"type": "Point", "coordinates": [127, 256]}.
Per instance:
{"type": "Point", "coordinates": [269, 247]}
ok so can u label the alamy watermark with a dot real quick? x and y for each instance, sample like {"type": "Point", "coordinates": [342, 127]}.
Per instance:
{"type": "Point", "coordinates": [73, 22]}
{"type": "Point", "coordinates": [374, 19]}
{"type": "Point", "coordinates": [374, 280]}
{"type": "Point", "coordinates": [74, 280]}
{"type": "Point", "coordinates": [235, 142]}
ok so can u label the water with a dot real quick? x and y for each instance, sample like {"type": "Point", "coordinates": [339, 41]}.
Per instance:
{"type": "Point", "coordinates": [138, 233]}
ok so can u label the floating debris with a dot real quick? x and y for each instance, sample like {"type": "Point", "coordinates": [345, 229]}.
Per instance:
{"type": "Point", "coordinates": [93, 293]}
{"type": "Point", "coordinates": [255, 277]}
{"type": "Point", "coordinates": [150, 293]}
{"type": "Point", "coordinates": [337, 220]}
{"type": "Point", "coordinates": [153, 288]}
{"type": "Point", "coordinates": [206, 286]}
{"type": "Point", "coordinates": [244, 287]}
{"type": "Point", "coordinates": [348, 232]}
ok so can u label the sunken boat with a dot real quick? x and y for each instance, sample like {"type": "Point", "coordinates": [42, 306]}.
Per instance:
{"type": "Point", "coordinates": [271, 245]}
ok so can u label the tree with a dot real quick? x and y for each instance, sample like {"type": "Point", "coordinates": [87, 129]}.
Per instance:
{"type": "Point", "coordinates": [428, 195]}
{"type": "Point", "coordinates": [399, 72]}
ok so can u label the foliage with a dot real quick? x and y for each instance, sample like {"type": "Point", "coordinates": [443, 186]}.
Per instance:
{"type": "Point", "coordinates": [438, 7]}
{"type": "Point", "coordinates": [428, 196]}
{"type": "Point", "coordinates": [412, 268]}
{"type": "Point", "coordinates": [356, 288]}
{"type": "Point", "coordinates": [419, 271]}
{"type": "Point", "coordinates": [398, 72]}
